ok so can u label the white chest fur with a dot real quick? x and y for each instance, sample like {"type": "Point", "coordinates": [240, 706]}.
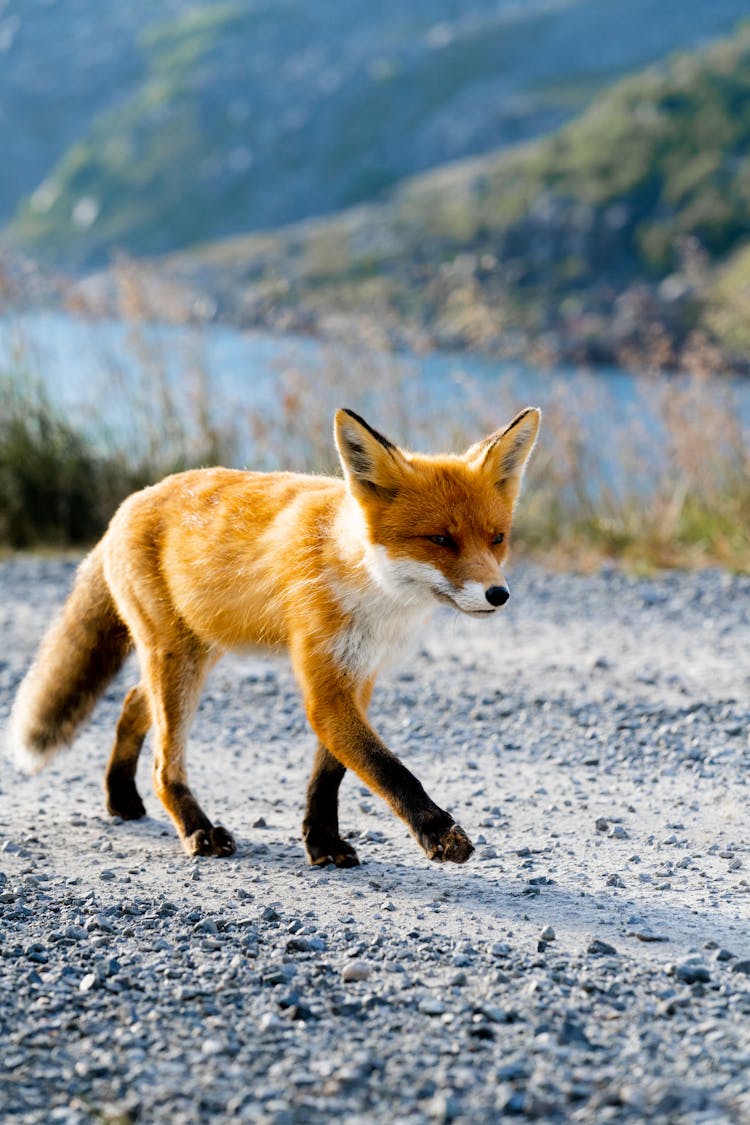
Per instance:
{"type": "Point", "coordinates": [380, 631]}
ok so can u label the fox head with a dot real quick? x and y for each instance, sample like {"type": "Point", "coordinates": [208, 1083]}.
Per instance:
{"type": "Point", "coordinates": [437, 525]}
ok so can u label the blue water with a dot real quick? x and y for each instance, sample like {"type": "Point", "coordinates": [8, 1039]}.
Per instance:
{"type": "Point", "coordinates": [110, 376]}
{"type": "Point", "coordinates": [92, 365]}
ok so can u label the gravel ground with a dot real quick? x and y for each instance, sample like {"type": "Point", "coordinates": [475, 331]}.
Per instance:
{"type": "Point", "coordinates": [591, 964]}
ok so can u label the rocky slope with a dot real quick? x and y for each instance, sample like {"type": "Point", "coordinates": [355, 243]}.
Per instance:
{"type": "Point", "coordinates": [619, 238]}
{"type": "Point", "coordinates": [148, 131]}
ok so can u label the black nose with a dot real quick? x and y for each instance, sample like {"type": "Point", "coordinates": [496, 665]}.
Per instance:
{"type": "Point", "coordinates": [497, 595]}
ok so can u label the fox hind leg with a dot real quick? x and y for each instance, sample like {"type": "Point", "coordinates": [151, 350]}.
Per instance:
{"type": "Point", "coordinates": [123, 798]}
{"type": "Point", "coordinates": [320, 828]}
{"type": "Point", "coordinates": [175, 679]}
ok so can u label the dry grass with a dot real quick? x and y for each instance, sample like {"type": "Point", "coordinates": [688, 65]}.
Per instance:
{"type": "Point", "coordinates": [664, 483]}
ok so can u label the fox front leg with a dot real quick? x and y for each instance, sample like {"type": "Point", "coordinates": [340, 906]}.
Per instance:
{"type": "Point", "coordinates": [338, 721]}
{"type": "Point", "coordinates": [320, 828]}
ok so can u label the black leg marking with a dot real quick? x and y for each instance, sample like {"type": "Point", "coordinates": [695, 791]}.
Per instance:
{"type": "Point", "coordinates": [320, 829]}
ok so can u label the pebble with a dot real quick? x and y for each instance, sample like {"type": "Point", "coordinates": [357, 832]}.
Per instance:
{"type": "Point", "coordinates": [547, 934]}
{"type": "Point", "coordinates": [598, 947]}
{"type": "Point", "coordinates": [76, 933]}
{"type": "Point", "coordinates": [431, 1006]}
{"type": "Point", "coordinates": [356, 970]}
{"type": "Point", "coordinates": [647, 935]}
{"type": "Point", "coordinates": [692, 971]}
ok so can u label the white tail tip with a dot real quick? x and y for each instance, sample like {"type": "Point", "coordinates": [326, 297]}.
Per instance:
{"type": "Point", "coordinates": [17, 750]}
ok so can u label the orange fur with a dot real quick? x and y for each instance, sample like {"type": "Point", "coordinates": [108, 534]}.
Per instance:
{"type": "Point", "coordinates": [338, 572]}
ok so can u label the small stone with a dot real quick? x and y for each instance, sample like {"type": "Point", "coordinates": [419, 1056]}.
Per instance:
{"type": "Point", "coordinates": [100, 922]}
{"type": "Point", "coordinates": [741, 967]}
{"type": "Point", "coordinates": [87, 983]}
{"type": "Point", "coordinates": [76, 933]}
{"type": "Point", "coordinates": [643, 933]}
{"type": "Point", "coordinates": [443, 1107]}
{"type": "Point", "coordinates": [547, 934]}
{"type": "Point", "coordinates": [692, 971]}
{"type": "Point", "coordinates": [356, 970]}
{"type": "Point", "coordinates": [305, 945]}
{"type": "Point", "coordinates": [572, 1034]}
{"type": "Point", "coordinates": [431, 1006]}
{"type": "Point", "coordinates": [269, 1021]}
{"type": "Point", "coordinates": [212, 1047]}
{"type": "Point", "coordinates": [615, 880]}
{"type": "Point", "coordinates": [597, 948]}
{"type": "Point", "coordinates": [260, 822]}
{"type": "Point", "coordinates": [617, 832]}
{"type": "Point", "coordinates": [601, 824]}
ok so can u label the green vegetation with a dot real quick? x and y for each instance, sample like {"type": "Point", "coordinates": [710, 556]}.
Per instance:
{"type": "Point", "coordinates": [56, 489]}
{"type": "Point", "coordinates": [728, 303]}
{"type": "Point", "coordinates": [651, 185]}
{"type": "Point", "coordinates": [61, 481]}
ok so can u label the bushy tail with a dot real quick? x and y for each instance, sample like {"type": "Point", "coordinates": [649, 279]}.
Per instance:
{"type": "Point", "coordinates": [81, 652]}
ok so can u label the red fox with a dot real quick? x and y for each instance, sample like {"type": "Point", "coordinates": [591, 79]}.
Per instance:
{"type": "Point", "coordinates": [341, 573]}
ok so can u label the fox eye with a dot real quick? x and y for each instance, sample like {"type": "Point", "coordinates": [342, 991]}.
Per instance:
{"type": "Point", "coordinates": [441, 540]}
{"type": "Point", "coordinates": [499, 538]}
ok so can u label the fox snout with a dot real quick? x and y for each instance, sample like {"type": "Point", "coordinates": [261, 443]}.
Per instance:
{"type": "Point", "coordinates": [472, 597]}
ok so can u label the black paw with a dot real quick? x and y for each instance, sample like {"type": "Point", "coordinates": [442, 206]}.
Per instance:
{"type": "Point", "coordinates": [210, 841]}
{"type": "Point", "coordinates": [446, 843]}
{"type": "Point", "coordinates": [123, 800]}
{"type": "Point", "coordinates": [331, 850]}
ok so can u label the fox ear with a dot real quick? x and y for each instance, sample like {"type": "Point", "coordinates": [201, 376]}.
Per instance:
{"type": "Point", "coordinates": [373, 466]}
{"type": "Point", "coordinates": [505, 453]}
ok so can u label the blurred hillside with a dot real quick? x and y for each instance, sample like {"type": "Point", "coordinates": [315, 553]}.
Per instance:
{"type": "Point", "coordinates": [117, 132]}
{"type": "Point", "coordinates": [623, 237]}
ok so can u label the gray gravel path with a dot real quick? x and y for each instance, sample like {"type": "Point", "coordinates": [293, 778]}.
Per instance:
{"type": "Point", "coordinates": [591, 964]}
